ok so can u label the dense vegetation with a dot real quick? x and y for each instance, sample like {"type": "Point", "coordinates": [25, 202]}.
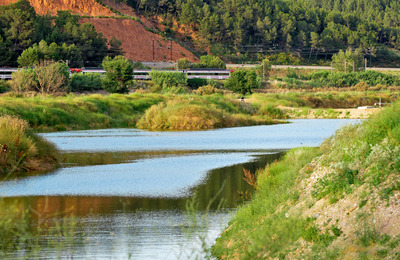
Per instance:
{"type": "Point", "coordinates": [36, 38]}
{"type": "Point", "coordinates": [332, 202]}
{"type": "Point", "coordinates": [21, 149]}
{"type": "Point", "coordinates": [365, 80]}
{"type": "Point", "coordinates": [308, 27]}
{"type": "Point", "coordinates": [151, 111]}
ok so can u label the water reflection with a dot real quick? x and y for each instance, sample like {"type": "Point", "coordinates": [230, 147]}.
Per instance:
{"type": "Point", "coordinates": [130, 187]}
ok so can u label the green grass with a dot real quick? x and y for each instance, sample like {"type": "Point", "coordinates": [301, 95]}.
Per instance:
{"type": "Point", "coordinates": [152, 111]}
{"type": "Point", "coordinates": [259, 229]}
{"type": "Point", "coordinates": [332, 99]}
{"type": "Point", "coordinates": [364, 164]}
{"type": "Point", "coordinates": [79, 112]}
{"type": "Point", "coordinates": [21, 149]}
{"type": "Point", "coordinates": [196, 113]}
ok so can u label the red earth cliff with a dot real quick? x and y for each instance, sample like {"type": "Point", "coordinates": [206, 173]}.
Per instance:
{"type": "Point", "coordinates": [137, 41]}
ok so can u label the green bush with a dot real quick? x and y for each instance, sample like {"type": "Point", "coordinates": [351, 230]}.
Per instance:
{"type": "Point", "coordinates": [195, 83]}
{"type": "Point", "coordinates": [210, 61]}
{"type": "Point", "coordinates": [85, 82]}
{"type": "Point", "coordinates": [350, 79]}
{"type": "Point", "coordinates": [291, 73]}
{"type": "Point", "coordinates": [184, 63]}
{"type": "Point", "coordinates": [243, 81]}
{"type": "Point", "coordinates": [4, 86]}
{"type": "Point", "coordinates": [207, 90]}
{"type": "Point", "coordinates": [118, 76]}
{"type": "Point", "coordinates": [348, 61]}
{"type": "Point", "coordinates": [21, 149]}
{"type": "Point", "coordinates": [272, 112]}
{"type": "Point", "coordinates": [168, 79]}
{"type": "Point", "coordinates": [23, 81]}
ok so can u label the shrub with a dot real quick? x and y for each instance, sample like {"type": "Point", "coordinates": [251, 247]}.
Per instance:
{"type": "Point", "coordinates": [85, 82]}
{"type": "Point", "coordinates": [348, 61]}
{"type": "Point", "coordinates": [4, 86]}
{"type": "Point", "coordinates": [243, 81]}
{"type": "Point", "coordinates": [210, 61]}
{"type": "Point", "coordinates": [264, 69]}
{"type": "Point", "coordinates": [291, 73]}
{"type": "Point", "coordinates": [118, 76]}
{"type": "Point", "coordinates": [51, 77]}
{"type": "Point", "coordinates": [272, 112]}
{"type": "Point", "coordinates": [196, 82]}
{"type": "Point", "coordinates": [361, 86]}
{"type": "Point", "coordinates": [46, 78]}
{"type": "Point", "coordinates": [168, 79]}
{"type": "Point", "coordinates": [178, 115]}
{"type": "Point", "coordinates": [207, 90]}
{"type": "Point", "coordinates": [184, 63]}
{"type": "Point", "coordinates": [20, 148]}
{"type": "Point", "coordinates": [23, 81]}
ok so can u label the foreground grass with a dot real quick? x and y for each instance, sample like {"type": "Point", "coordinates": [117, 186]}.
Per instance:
{"type": "Point", "coordinates": [339, 201]}
{"type": "Point", "coordinates": [261, 229]}
{"type": "Point", "coordinates": [21, 149]}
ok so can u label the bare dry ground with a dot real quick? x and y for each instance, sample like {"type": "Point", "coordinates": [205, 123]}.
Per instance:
{"type": "Point", "coordinates": [88, 7]}
{"type": "Point", "coordinates": [137, 42]}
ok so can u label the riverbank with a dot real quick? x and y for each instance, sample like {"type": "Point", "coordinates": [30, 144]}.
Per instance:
{"type": "Point", "coordinates": [146, 111]}
{"type": "Point", "coordinates": [184, 112]}
{"type": "Point", "coordinates": [338, 201]}
{"type": "Point", "coordinates": [23, 150]}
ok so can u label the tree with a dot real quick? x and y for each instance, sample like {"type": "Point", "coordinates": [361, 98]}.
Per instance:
{"type": "Point", "coordinates": [47, 78]}
{"type": "Point", "coordinates": [184, 63]}
{"type": "Point", "coordinates": [20, 30]}
{"type": "Point", "coordinates": [118, 76]}
{"type": "Point", "coordinates": [264, 69]}
{"type": "Point", "coordinates": [243, 81]}
{"type": "Point", "coordinates": [51, 77]}
{"type": "Point", "coordinates": [44, 52]}
{"type": "Point", "coordinates": [115, 48]}
{"type": "Point", "coordinates": [348, 61]}
{"type": "Point", "coordinates": [210, 61]}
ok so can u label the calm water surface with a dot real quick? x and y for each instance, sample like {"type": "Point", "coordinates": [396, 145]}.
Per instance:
{"type": "Point", "coordinates": [130, 187]}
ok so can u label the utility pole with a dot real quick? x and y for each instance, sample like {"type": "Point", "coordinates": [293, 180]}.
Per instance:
{"type": "Point", "coordinates": [263, 71]}
{"type": "Point", "coordinates": [153, 50]}
{"type": "Point", "coordinates": [345, 66]}
{"type": "Point", "coordinates": [171, 50]}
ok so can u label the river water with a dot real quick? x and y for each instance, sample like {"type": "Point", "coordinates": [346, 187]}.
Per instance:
{"type": "Point", "coordinates": [134, 191]}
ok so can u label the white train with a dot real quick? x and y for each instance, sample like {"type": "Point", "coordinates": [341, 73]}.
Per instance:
{"type": "Point", "coordinates": [219, 74]}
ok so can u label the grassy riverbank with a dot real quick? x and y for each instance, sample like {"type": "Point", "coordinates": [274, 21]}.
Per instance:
{"type": "Point", "coordinates": [153, 111]}
{"type": "Point", "coordinates": [338, 201]}
{"type": "Point", "coordinates": [180, 112]}
{"type": "Point", "coordinates": [21, 149]}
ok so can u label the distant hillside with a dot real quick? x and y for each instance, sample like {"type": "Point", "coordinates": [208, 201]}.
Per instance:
{"type": "Point", "coordinates": [87, 7]}
{"type": "Point", "coordinates": [310, 28]}
{"type": "Point", "coordinates": [137, 41]}
{"type": "Point", "coordinates": [139, 38]}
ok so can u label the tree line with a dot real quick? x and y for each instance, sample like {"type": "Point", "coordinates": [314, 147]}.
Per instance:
{"type": "Point", "coordinates": [27, 38]}
{"type": "Point", "coordinates": [308, 27]}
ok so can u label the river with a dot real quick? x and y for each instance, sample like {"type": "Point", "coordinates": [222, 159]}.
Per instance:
{"type": "Point", "coordinates": [133, 190]}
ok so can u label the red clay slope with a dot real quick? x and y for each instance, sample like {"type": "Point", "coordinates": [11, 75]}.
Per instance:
{"type": "Point", "coordinates": [88, 7]}
{"type": "Point", "coordinates": [137, 42]}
